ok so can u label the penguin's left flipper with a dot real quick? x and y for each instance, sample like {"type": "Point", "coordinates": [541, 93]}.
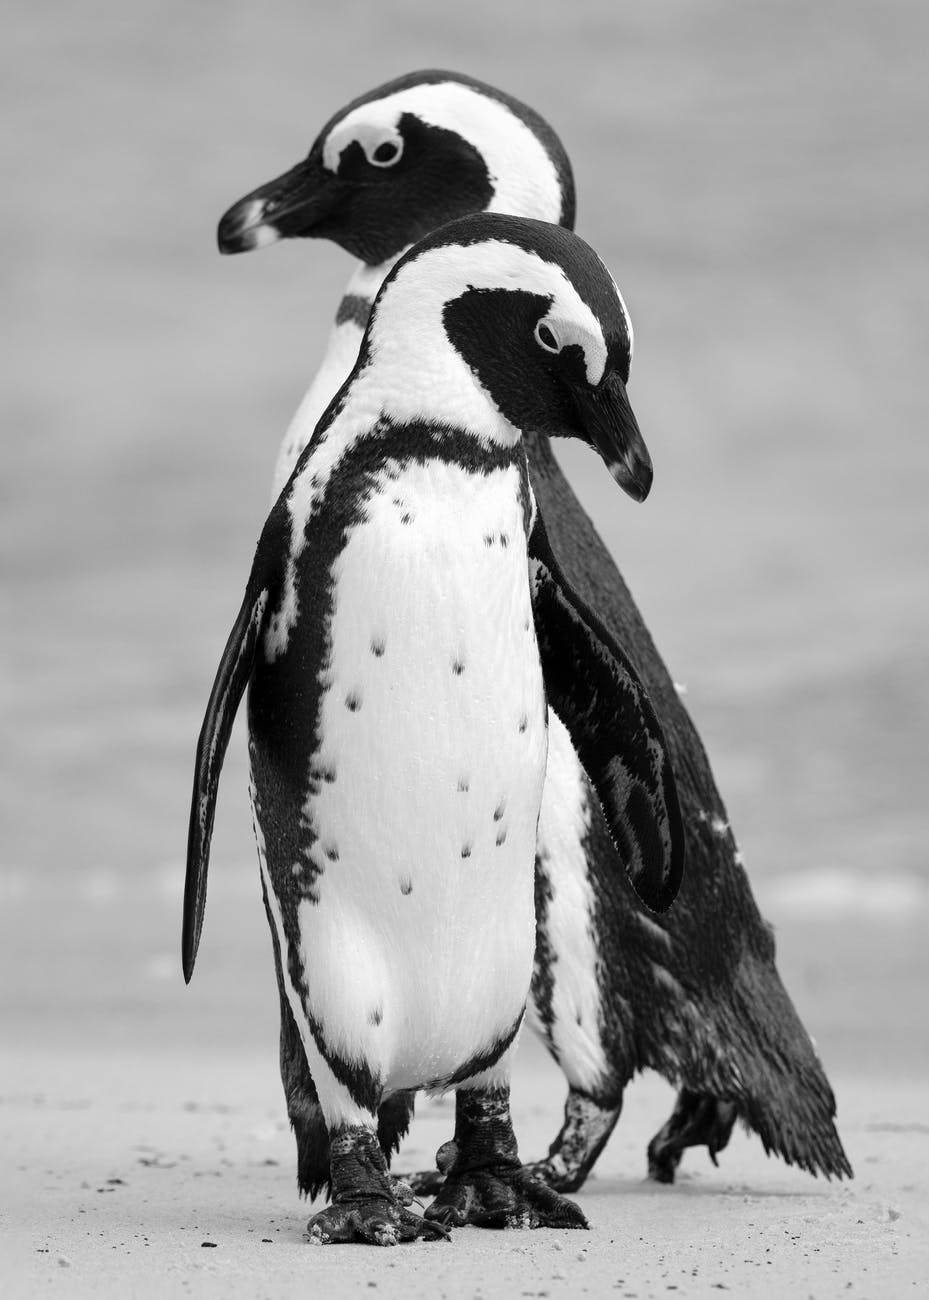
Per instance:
{"type": "Point", "coordinates": [597, 693]}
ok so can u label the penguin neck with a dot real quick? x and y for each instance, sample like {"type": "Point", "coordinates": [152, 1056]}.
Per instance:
{"type": "Point", "coordinates": [355, 309]}
{"type": "Point", "coordinates": [361, 290]}
{"type": "Point", "coordinates": [541, 454]}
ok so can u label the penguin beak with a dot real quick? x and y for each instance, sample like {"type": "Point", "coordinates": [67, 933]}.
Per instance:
{"type": "Point", "coordinates": [608, 424]}
{"type": "Point", "coordinates": [291, 206]}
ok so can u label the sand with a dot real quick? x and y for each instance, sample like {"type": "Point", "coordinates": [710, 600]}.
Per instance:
{"type": "Point", "coordinates": [151, 1174]}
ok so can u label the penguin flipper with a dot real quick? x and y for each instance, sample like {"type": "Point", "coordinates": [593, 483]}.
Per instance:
{"type": "Point", "coordinates": [232, 677]}
{"type": "Point", "coordinates": [598, 695]}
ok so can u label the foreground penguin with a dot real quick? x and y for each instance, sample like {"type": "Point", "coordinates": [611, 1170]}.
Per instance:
{"type": "Point", "coordinates": [695, 993]}
{"type": "Point", "coordinates": [402, 605]}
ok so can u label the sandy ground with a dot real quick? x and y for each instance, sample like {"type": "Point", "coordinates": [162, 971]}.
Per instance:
{"type": "Point", "coordinates": [152, 1174]}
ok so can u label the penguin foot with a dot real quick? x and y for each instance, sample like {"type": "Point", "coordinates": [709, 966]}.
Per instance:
{"type": "Point", "coordinates": [484, 1182]}
{"type": "Point", "coordinates": [503, 1197]}
{"type": "Point", "coordinates": [381, 1222]}
{"type": "Point", "coordinates": [697, 1120]}
{"type": "Point", "coordinates": [367, 1205]}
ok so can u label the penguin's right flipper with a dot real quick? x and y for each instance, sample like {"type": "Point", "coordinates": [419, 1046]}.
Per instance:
{"type": "Point", "coordinates": [233, 675]}
{"type": "Point", "coordinates": [597, 693]}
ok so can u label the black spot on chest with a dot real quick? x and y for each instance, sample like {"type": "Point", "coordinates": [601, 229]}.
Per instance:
{"type": "Point", "coordinates": [286, 691]}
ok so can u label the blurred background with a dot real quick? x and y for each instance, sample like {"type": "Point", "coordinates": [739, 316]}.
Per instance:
{"type": "Point", "coordinates": [756, 178]}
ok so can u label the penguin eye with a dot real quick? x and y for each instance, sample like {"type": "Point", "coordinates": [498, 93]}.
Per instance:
{"type": "Point", "coordinates": [386, 154]}
{"type": "Point", "coordinates": [546, 337]}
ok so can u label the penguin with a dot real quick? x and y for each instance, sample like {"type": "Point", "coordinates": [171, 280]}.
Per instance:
{"type": "Point", "coordinates": [695, 993]}
{"type": "Point", "coordinates": [401, 607]}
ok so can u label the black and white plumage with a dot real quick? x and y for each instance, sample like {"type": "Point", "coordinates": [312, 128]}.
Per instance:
{"type": "Point", "coordinates": [694, 994]}
{"type": "Point", "coordinates": [385, 171]}
{"type": "Point", "coordinates": [401, 609]}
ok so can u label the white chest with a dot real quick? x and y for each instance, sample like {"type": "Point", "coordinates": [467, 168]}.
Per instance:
{"type": "Point", "coordinates": [434, 723]}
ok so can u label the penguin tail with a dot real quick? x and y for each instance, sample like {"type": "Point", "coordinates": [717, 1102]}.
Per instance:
{"type": "Point", "coordinates": [784, 1093]}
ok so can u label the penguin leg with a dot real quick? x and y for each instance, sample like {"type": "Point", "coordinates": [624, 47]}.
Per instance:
{"type": "Point", "coordinates": [485, 1184]}
{"type": "Point", "coordinates": [306, 1115]}
{"type": "Point", "coordinates": [366, 1204]}
{"type": "Point", "coordinates": [698, 1119]}
{"type": "Point", "coordinates": [336, 1104]}
{"type": "Point", "coordinates": [576, 1001]}
{"type": "Point", "coordinates": [303, 1105]}
{"type": "Point", "coordinates": [303, 1109]}
{"type": "Point", "coordinates": [583, 1135]}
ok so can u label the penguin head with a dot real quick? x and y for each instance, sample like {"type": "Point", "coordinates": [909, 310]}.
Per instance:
{"type": "Point", "coordinates": [403, 159]}
{"type": "Point", "coordinates": [509, 326]}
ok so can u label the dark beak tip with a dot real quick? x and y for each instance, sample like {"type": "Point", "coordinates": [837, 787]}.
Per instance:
{"type": "Point", "coordinates": [644, 485]}
{"type": "Point", "coordinates": [636, 483]}
{"type": "Point", "coordinates": [232, 231]}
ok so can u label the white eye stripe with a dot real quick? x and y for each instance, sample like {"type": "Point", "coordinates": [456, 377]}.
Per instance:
{"type": "Point", "coordinates": [546, 337]}
{"type": "Point", "coordinates": [558, 330]}
{"type": "Point", "coordinates": [385, 152]}
{"type": "Point", "coordinates": [523, 175]}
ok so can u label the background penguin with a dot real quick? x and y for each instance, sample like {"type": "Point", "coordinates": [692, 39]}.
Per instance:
{"type": "Point", "coordinates": [402, 605]}
{"type": "Point", "coordinates": [693, 994]}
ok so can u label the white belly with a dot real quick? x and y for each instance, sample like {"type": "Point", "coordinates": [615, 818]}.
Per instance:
{"type": "Point", "coordinates": [420, 948]}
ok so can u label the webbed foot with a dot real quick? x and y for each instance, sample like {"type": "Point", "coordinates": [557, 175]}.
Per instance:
{"type": "Point", "coordinates": [366, 1204]}
{"type": "Point", "coordinates": [697, 1120]}
{"type": "Point", "coordinates": [503, 1198]}
{"type": "Point", "coordinates": [484, 1182]}
{"type": "Point", "coordinates": [380, 1221]}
